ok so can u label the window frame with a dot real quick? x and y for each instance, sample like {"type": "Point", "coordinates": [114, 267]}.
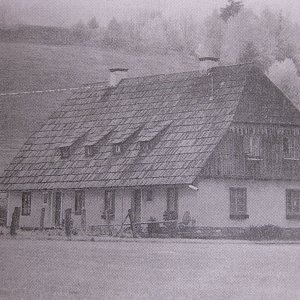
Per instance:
{"type": "Point", "coordinates": [235, 212]}
{"type": "Point", "coordinates": [289, 147]}
{"type": "Point", "coordinates": [175, 190]}
{"type": "Point", "coordinates": [26, 203]}
{"type": "Point", "coordinates": [145, 146]}
{"type": "Point", "coordinates": [65, 152]}
{"type": "Point", "coordinates": [118, 149]}
{"type": "Point", "coordinates": [110, 203]}
{"type": "Point", "coordinates": [47, 196]}
{"type": "Point", "coordinates": [89, 150]}
{"type": "Point", "coordinates": [255, 145]}
{"type": "Point", "coordinates": [147, 195]}
{"type": "Point", "coordinates": [79, 201]}
{"type": "Point", "coordinates": [291, 212]}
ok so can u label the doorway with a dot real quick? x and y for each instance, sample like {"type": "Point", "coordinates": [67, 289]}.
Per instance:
{"type": "Point", "coordinates": [57, 209]}
{"type": "Point", "coordinates": [136, 206]}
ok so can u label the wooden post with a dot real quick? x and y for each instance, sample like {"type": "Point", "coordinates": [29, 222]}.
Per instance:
{"type": "Point", "coordinates": [15, 221]}
{"type": "Point", "coordinates": [120, 230]}
{"type": "Point", "coordinates": [42, 219]}
{"type": "Point", "coordinates": [68, 222]}
{"type": "Point", "coordinates": [83, 219]}
{"type": "Point", "coordinates": [132, 225]}
{"type": "Point", "coordinates": [108, 221]}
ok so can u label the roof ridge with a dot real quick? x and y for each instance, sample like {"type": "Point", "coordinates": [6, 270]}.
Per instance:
{"type": "Point", "coordinates": [95, 83]}
{"type": "Point", "coordinates": [201, 72]}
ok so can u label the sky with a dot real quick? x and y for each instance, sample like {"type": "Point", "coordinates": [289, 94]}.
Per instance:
{"type": "Point", "coordinates": [68, 12]}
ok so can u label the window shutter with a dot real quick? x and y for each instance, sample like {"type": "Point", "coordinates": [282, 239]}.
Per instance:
{"type": "Point", "coordinates": [113, 202]}
{"type": "Point", "coordinates": [106, 203]}
{"type": "Point", "coordinates": [176, 200]}
{"type": "Point", "coordinates": [232, 203]}
{"type": "Point", "coordinates": [246, 144]}
{"type": "Point", "coordinates": [238, 203]}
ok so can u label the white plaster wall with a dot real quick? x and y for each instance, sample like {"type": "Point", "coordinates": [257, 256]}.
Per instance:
{"type": "Point", "coordinates": [209, 205]}
{"type": "Point", "coordinates": [266, 203]}
{"type": "Point", "coordinates": [157, 206]}
{"type": "Point", "coordinates": [33, 220]}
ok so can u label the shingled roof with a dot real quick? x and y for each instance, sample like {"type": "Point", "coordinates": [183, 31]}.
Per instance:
{"type": "Point", "coordinates": [189, 111]}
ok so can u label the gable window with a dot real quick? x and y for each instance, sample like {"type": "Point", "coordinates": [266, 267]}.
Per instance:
{"type": "Point", "coordinates": [89, 150]}
{"type": "Point", "coordinates": [238, 203]}
{"type": "Point", "coordinates": [26, 203]}
{"type": "Point", "coordinates": [293, 204]}
{"type": "Point", "coordinates": [253, 145]}
{"type": "Point", "coordinates": [64, 152]}
{"type": "Point", "coordinates": [118, 149]}
{"type": "Point", "coordinates": [288, 147]}
{"type": "Point", "coordinates": [79, 202]}
{"type": "Point", "coordinates": [109, 204]}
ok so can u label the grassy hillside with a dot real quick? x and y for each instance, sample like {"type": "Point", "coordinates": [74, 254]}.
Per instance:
{"type": "Point", "coordinates": [29, 67]}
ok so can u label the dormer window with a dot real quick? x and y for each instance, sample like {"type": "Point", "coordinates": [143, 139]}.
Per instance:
{"type": "Point", "coordinates": [118, 149]}
{"type": "Point", "coordinates": [64, 152]}
{"type": "Point", "coordinates": [89, 150]}
{"type": "Point", "coordinates": [70, 143]}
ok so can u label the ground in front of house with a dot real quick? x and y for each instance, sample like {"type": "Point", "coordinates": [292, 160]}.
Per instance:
{"type": "Point", "coordinates": [31, 269]}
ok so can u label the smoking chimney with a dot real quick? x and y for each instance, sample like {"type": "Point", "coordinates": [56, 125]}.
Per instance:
{"type": "Point", "coordinates": [116, 75]}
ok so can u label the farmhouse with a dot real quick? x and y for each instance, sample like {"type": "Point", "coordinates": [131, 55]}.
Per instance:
{"type": "Point", "coordinates": [222, 144]}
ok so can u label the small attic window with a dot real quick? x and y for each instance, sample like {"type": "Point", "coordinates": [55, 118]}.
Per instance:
{"type": "Point", "coordinates": [118, 149]}
{"type": "Point", "coordinates": [145, 146]}
{"type": "Point", "coordinates": [64, 152]}
{"type": "Point", "coordinates": [89, 150]}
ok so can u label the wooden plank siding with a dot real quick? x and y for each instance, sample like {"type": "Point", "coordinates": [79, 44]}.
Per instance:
{"type": "Point", "coordinates": [231, 158]}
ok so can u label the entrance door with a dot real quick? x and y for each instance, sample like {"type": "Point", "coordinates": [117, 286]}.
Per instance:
{"type": "Point", "coordinates": [136, 205]}
{"type": "Point", "coordinates": [57, 209]}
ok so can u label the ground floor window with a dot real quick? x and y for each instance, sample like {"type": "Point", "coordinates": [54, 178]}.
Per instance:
{"type": "Point", "coordinates": [26, 203]}
{"type": "Point", "coordinates": [293, 204]}
{"type": "Point", "coordinates": [79, 202]}
{"type": "Point", "coordinates": [172, 204]}
{"type": "Point", "coordinates": [147, 194]}
{"type": "Point", "coordinates": [47, 195]}
{"type": "Point", "coordinates": [109, 204]}
{"type": "Point", "coordinates": [238, 203]}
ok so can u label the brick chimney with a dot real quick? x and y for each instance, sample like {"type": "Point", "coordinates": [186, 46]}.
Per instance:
{"type": "Point", "coordinates": [208, 62]}
{"type": "Point", "coordinates": [116, 75]}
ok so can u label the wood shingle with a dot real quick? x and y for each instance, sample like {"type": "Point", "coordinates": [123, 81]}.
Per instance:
{"type": "Point", "coordinates": [187, 113]}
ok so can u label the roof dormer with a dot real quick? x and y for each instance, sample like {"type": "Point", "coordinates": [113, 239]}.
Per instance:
{"type": "Point", "coordinates": [145, 146]}
{"type": "Point", "coordinates": [150, 135]}
{"type": "Point", "coordinates": [121, 140]}
{"type": "Point", "coordinates": [65, 152]}
{"type": "Point", "coordinates": [70, 143]}
{"type": "Point", "coordinates": [96, 137]}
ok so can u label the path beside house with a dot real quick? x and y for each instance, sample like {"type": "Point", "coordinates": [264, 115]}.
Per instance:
{"type": "Point", "coordinates": [33, 269]}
